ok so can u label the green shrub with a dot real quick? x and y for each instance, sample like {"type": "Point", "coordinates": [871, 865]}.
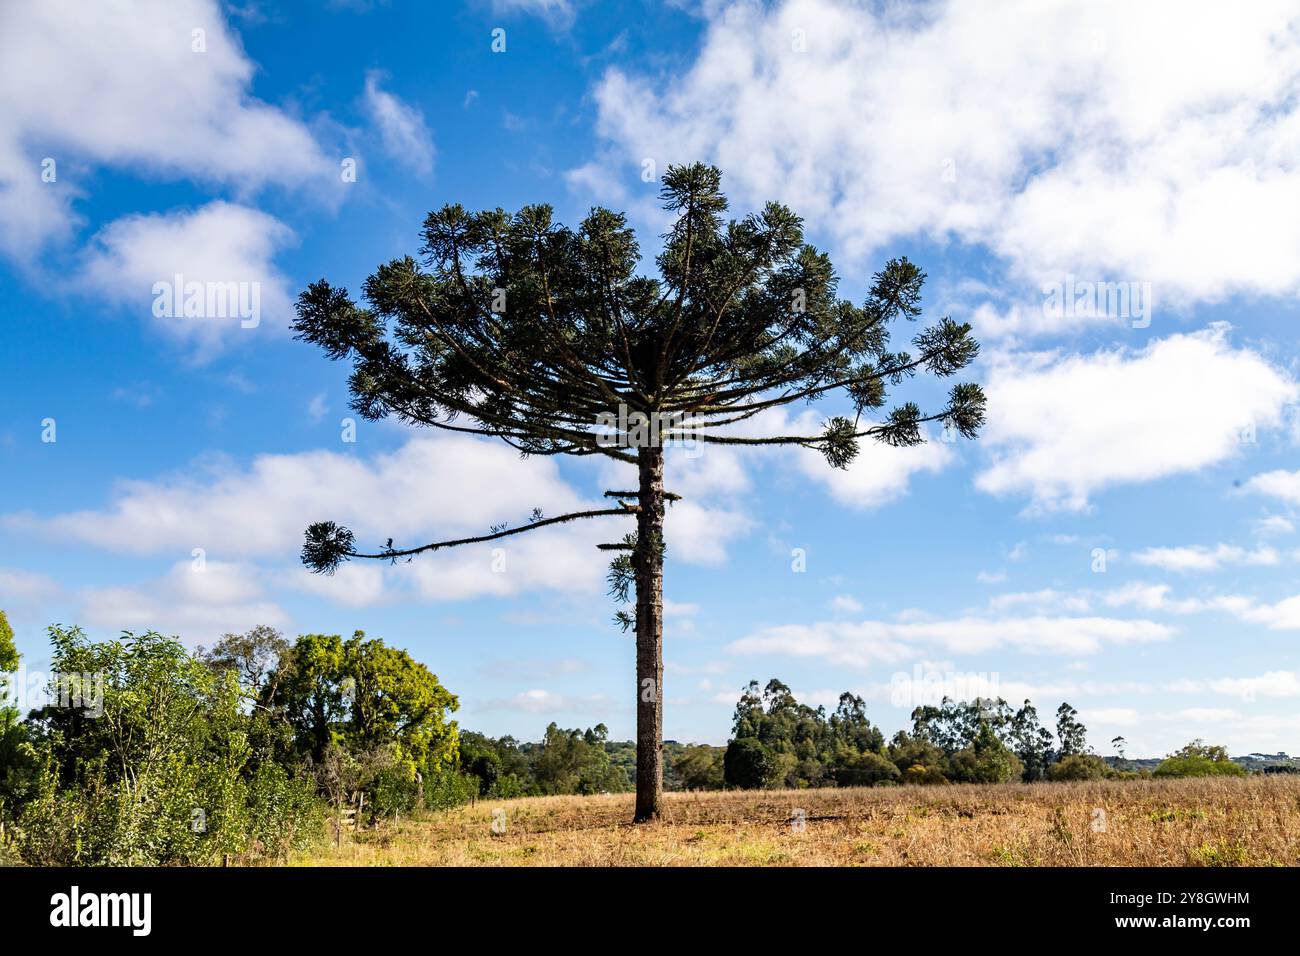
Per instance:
{"type": "Point", "coordinates": [865, 770]}
{"type": "Point", "coordinates": [1078, 767]}
{"type": "Point", "coordinates": [1199, 759]}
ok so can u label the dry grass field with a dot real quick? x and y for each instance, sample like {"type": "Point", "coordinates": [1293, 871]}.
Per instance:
{"type": "Point", "coordinates": [1196, 822]}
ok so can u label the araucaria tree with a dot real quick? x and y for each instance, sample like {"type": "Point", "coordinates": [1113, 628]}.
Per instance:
{"type": "Point", "coordinates": [516, 327]}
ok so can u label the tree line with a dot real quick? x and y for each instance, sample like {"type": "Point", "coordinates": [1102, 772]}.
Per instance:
{"type": "Point", "coordinates": [779, 742]}
{"type": "Point", "coordinates": [245, 749]}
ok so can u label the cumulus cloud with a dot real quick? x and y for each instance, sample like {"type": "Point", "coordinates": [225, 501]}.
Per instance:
{"type": "Point", "coordinates": [161, 86]}
{"type": "Point", "coordinates": [198, 601]}
{"type": "Point", "coordinates": [402, 130]}
{"type": "Point", "coordinates": [205, 278]}
{"type": "Point", "coordinates": [1062, 427]}
{"type": "Point", "coordinates": [1279, 483]}
{"type": "Point", "coordinates": [1155, 142]}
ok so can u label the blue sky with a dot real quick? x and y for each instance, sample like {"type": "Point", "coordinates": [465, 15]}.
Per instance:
{"type": "Point", "coordinates": [1123, 535]}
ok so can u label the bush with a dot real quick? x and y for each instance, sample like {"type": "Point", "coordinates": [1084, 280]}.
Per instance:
{"type": "Point", "coordinates": [162, 775]}
{"type": "Point", "coordinates": [1078, 767]}
{"type": "Point", "coordinates": [1198, 767]}
{"type": "Point", "coordinates": [865, 770]}
{"type": "Point", "coordinates": [447, 788]}
{"type": "Point", "coordinates": [1199, 759]}
{"type": "Point", "coordinates": [924, 775]}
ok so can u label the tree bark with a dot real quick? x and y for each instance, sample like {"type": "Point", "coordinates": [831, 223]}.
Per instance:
{"type": "Point", "coordinates": [648, 564]}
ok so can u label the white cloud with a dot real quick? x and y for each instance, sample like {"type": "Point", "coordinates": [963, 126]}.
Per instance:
{"type": "Point", "coordinates": [443, 485]}
{"type": "Point", "coordinates": [1276, 484]}
{"type": "Point", "coordinates": [197, 605]}
{"type": "Point", "coordinates": [542, 701]}
{"type": "Point", "coordinates": [699, 535]}
{"type": "Point", "coordinates": [135, 261]}
{"type": "Point", "coordinates": [119, 83]}
{"type": "Point", "coordinates": [872, 642]}
{"type": "Point", "coordinates": [559, 14]}
{"type": "Point", "coordinates": [878, 475]}
{"type": "Point", "coordinates": [1274, 525]}
{"type": "Point", "coordinates": [1202, 558]}
{"type": "Point", "coordinates": [846, 604]}
{"type": "Point", "coordinates": [433, 488]}
{"type": "Point", "coordinates": [26, 586]}
{"type": "Point", "coordinates": [1155, 142]}
{"type": "Point", "coordinates": [1284, 615]}
{"type": "Point", "coordinates": [1062, 427]}
{"type": "Point", "coordinates": [1272, 684]}
{"type": "Point", "coordinates": [402, 129]}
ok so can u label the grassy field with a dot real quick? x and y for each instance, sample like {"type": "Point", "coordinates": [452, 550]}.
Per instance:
{"type": "Point", "coordinates": [1197, 822]}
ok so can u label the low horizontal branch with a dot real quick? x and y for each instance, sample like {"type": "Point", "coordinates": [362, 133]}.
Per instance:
{"type": "Point", "coordinates": [574, 516]}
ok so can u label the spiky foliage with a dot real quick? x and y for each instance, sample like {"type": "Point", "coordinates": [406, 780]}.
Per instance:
{"type": "Point", "coordinates": [517, 327]}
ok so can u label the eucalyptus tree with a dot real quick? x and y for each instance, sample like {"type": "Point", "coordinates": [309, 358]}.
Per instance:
{"type": "Point", "coordinates": [548, 338]}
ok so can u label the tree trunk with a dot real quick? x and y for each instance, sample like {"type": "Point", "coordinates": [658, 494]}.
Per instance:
{"type": "Point", "coordinates": [648, 563]}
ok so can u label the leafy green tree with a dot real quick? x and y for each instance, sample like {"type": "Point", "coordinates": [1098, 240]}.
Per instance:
{"type": "Point", "coordinates": [849, 725]}
{"type": "Point", "coordinates": [313, 694]}
{"type": "Point", "coordinates": [1070, 732]}
{"type": "Point", "coordinates": [395, 699]}
{"type": "Point", "coordinates": [953, 725]}
{"type": "Point", "coordinates": [574, 761]}
{"type": "Point", "coordinates": [1198, 759]}
{"type": "Point", "coordinates": [515, 327]}
{"type": "Point", "coordinates": [258, 658]}
{"type": "Point", "coordinates": [479, 758]}
{"type": "Point", "coordinates": [1031, 741]}
{"type": "Point", "coordinates": [749, 764]}
{"type": "Point", "coordinates": [386, 711]}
